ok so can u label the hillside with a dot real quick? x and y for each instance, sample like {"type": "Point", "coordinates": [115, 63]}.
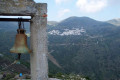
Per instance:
{"type": "Point", "coordinates": [90, 46]}
{"type": "Point", "coordinates": [81, 45]}
{"type": "Point", "coordinates": [6, 64]}
{"type": "Point", "coordinates": [115, 22]}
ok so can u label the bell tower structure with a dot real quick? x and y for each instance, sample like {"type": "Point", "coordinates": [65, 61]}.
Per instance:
{"type": "Point", "coordinates": [38, 38]}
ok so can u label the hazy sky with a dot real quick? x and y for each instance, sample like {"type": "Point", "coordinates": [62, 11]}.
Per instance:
{"type": "Point", "coordinates": [97, 9]}
{"type": "Point", "coordinates": [101, 10]}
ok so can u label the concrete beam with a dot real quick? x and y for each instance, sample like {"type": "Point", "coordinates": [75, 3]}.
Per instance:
{"type": "Point", "coordinates": [17, 7]}
{"type": "Point", "coordinates": [38, 59]}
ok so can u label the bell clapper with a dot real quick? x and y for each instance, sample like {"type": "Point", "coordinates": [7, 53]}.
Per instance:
{"type": "Point", "coordinates": [19, 55]}
{"type": "Point", "coordinates": [17, 61]}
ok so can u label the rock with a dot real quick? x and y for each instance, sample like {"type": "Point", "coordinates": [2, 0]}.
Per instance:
{"type": "Point", "coordinates": [23, 77]}
{"type": "Point", "coordinates": [1, 76]}
{"type": "Point", "coordinates": [27, 76]}
{"type": "Point", "coordinates": [54, 79]}
{"type": "Point", "coordinates": [16, 77]}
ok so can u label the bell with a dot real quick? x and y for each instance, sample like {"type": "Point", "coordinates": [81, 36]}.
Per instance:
{"type": "Point", "coordinates": [20, 45]}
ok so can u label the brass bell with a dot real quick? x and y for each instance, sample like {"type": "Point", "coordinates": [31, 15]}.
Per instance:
{"type": "Point", "coordinates": [20, 45]}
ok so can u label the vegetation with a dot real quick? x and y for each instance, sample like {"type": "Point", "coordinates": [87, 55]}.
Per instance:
{"type": "Point", "coordinates": [68, 76]}
{"type": "Point", "coordinates": [94, 54]}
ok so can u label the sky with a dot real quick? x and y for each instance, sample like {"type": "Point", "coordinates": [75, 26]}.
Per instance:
{"type": "Point", "coordinates": [101, 10]}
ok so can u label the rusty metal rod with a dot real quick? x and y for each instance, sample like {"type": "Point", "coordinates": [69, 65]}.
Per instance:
{"type": "Point", "coordinates": [15, 19]}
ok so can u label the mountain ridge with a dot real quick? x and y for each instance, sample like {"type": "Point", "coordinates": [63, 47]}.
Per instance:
{"type": "Point", "coordinates": [90, 46]}
{"type": "Point", "coordinates": [114, 21]}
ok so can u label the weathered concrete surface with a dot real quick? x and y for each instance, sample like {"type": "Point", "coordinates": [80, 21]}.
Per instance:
{"type": "Point", "coordinates": [17, 7]}
{"type": "Point", "coordinates": [38, 59]}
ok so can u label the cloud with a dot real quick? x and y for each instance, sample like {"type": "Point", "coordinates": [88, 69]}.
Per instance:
{"type": "Point", "coordinates": [60, 1]}
{"type": "Point", "coordinates": [91, 6]}
{"type": "Point", "coordinates": [61, 13]}
{"type": "Point", "coordinates": [114, 2]}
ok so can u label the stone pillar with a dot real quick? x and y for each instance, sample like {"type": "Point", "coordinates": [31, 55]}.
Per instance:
{"type": "Point", "coordinates": [38, 59]}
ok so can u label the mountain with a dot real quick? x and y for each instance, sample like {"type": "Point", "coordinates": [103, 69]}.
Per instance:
{"type": "Point", "coordinates": [115, 22]}
{"type": "Point", "coordinates": [87, 47]}
{"type": "Point", "coordinates": [81, 45]}
{"type": "Point", "coordinates": [78, 25]}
